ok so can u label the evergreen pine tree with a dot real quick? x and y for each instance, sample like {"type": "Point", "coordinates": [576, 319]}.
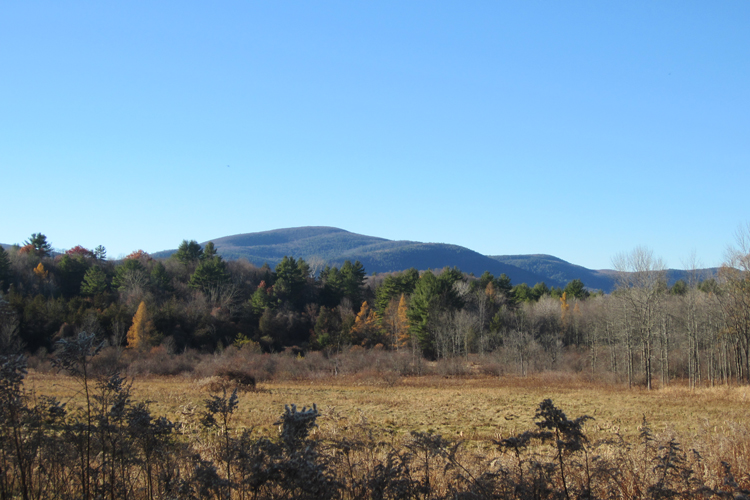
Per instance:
{"type": "Point", "coordinates": [39, 243]}
{"type": "Point", "coordinates": [210, 273]}
{"type": "Point", "coordinates": [188, 252]}
{"type": "Point", "coordinates": [94, 281]}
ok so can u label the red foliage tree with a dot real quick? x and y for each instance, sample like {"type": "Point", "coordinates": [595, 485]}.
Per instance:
{"type": "Point", "coordinates": [139, 255]}
{"type": "Point", "coordinates": [79, 250]}
{"type": "Point", "coordinates": [27, 249]}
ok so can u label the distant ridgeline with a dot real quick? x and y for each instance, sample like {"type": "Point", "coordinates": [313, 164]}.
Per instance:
{"type": "Point", "coordinates": [379, 255]}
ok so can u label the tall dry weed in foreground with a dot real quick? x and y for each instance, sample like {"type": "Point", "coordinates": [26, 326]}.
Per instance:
{"type": "Point", "coordinates": [74, 356]}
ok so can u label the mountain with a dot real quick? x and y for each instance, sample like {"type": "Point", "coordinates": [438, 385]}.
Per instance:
{"type": "Point", "coordinates": [558, 272]}
{"type": "Point", "coordinates": [674, 275]}
{"type": "Point", "coordinates": [378, 255]}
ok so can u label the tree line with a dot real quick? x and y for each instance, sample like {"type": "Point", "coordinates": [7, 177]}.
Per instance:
{"type": "Point", "coordinates": [643, 332]}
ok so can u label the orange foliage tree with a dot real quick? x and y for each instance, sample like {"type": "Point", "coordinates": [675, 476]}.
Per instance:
{"type": "Point", "coordinates": [41, 272]}
{"type": "Point", "coordinates": [79, 250]}
{"type": "Point", "coordinates": [366, 330]}
{"type": "Point", "coordinates": [404, 336]}
{"type": "Point", "coordinates": [138, 255]}
{"type": "Point", "coordinates": [396, 323]}
{"type": "Point", "coordinates": [141, 333]}
{"type": "Point", "coordinates": [564, 307]}
{"type": "Point", "coordinates": [26, 249]}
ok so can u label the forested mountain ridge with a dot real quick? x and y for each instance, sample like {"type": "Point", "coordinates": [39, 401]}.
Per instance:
{"type": "Point", "coordinates": [557, 272]}
{"type": "Point", "coordinates": [378, 255]}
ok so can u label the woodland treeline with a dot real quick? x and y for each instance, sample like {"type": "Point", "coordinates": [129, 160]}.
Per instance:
{"type": "Point", "coordinates": [644, 332]}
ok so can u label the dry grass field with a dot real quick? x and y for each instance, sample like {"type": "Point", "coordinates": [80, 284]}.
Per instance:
{"type": "Point", "coordinates": [474, 410]}
{"type": "Point", "coordinates": [378, 433]}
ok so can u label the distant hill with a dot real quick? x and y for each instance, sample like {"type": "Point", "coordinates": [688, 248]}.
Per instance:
{"type": "Point", "coordinates": [558, 272]}
{"type": "Point", "coordinates": [701, 274]}
{"type": "Point", "coordinates": [378, 255]}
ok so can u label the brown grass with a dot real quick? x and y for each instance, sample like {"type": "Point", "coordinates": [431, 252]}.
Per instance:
{"type": "Point", "coordinates": [372, 415]}
{"type": "Point", "coordinates": [477, 409]}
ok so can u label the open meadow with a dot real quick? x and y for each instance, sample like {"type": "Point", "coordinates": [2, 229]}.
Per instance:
{"type": "Point", "coordinates": [473, 409]}
{"type": "Point", "coordinates": [433, 436]}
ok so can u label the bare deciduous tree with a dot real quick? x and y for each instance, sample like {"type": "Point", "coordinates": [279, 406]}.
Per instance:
{"type": "Point", "coordinates": [641, 285]}
{"type": "Point", "coordinates": [734, 298]}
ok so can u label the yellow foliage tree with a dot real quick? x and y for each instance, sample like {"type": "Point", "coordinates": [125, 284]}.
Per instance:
{"type": "Point", "coordinates": [41, 272]}
{"type": "Point", "coordinates": [141, 333]}
{"type": "Point", "coordinates": [366, 329]}
{"type": "Point", "coordinates": [395, 323]}
{"type": "Point", "coordinates": [403, 336]}
{"type": "Point", "coordinates": [564, 307]}
{"type": "Point", "coordinates": [490, 292]}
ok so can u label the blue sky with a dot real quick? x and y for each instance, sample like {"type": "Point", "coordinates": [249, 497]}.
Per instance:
{"type": "Point", "coordinates": [578, 129]}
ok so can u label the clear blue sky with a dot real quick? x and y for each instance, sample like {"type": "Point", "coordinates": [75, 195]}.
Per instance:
{"type": "Point", "coordinates": [578, 129]}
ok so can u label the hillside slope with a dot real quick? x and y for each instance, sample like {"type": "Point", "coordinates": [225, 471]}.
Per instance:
{"type": "Point", "coordinates": [378, 255]}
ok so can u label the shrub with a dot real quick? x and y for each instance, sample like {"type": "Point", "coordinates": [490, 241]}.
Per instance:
{"type": "Point", "coordinates": [240, 379]}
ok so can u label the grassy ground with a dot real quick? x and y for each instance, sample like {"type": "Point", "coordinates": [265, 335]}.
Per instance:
{"type": "Point", "coordinates": [694, 432]}
{"type": "Point", "coordinates": [472, 409]}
